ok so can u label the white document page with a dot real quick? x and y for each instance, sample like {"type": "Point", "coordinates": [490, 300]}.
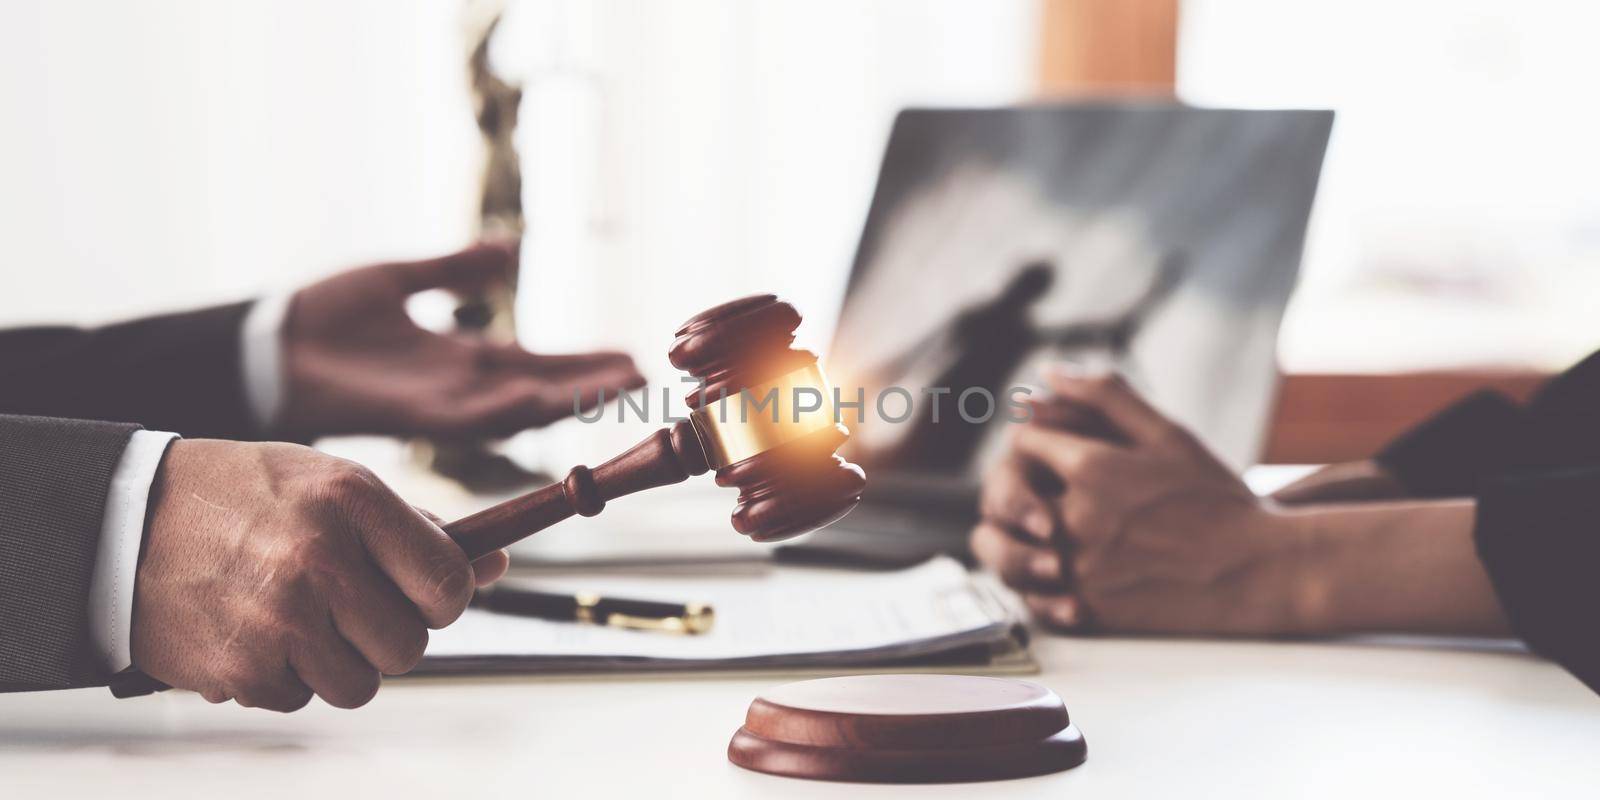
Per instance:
{"type": "Point", "coordinates": [788, 611]}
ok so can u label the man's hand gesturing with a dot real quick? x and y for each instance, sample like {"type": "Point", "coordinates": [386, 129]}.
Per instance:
{"type": "Point", "coordinates": [356, 363]}
{"type": "Point", "coordinates": [271, 572]}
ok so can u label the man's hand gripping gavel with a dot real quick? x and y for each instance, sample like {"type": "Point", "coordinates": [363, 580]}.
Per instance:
{"type": "Point", "coordinates": [272, 572]}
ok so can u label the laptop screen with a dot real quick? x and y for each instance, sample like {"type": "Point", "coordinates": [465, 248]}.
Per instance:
{"type": "Point", "coordinates": [1155, 239]}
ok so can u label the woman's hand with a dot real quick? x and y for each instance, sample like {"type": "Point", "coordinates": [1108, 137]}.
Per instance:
{"type": "Point", "coordinates": [1104, 513]}
{"type": "Point", "coordinates": [1137, 527]}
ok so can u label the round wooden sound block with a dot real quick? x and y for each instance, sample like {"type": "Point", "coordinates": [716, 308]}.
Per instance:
{"type": "Point", "coordinates": [908, 729]}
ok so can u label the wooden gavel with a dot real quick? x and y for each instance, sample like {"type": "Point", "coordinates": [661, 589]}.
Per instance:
{"type": "Point", "coordinates": [746, 424]}
{"type": "Point", "coordinates": [780, 457]}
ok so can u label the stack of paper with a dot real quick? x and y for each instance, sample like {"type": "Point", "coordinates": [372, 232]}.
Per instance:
{"type": "Point", "coordinates": [787, 617]}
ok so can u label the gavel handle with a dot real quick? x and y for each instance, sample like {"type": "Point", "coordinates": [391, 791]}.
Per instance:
{"type": "Point", "coordinates": [668, 456]}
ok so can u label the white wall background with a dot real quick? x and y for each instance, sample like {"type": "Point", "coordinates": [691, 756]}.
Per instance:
{"type": "Point", "coordinates": [169, 153]}
{"type": "Point", "coordinates": [166, 153]}
{"type": "Point", "coordinates": [163, 154]}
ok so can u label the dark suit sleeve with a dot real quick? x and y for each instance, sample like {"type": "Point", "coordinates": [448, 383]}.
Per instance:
{"type": "Point", "coordinates": [177, 372]}
{"type": "Point", "coordinates": [54, 477]}
{"type": "Point", "coordinates": [1563, 421]}
{"type": "Point", "coordinates": [1486, 434]}
{"type": "Point", "coordinates": [1446, 455]}
{"type": "Point", "coordinates": [1538, 536]}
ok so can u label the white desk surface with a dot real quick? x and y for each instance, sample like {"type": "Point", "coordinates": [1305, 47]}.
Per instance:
{"type": "Point", "coordinates": [1164, 718]}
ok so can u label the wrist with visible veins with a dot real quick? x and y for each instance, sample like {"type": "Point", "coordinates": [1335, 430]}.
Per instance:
{"type": "Point", "coordinates": [1405, 566]}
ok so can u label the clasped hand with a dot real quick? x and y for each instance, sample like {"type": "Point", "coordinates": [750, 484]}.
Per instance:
{"type": "Point", "coordinates": [1105, 513]}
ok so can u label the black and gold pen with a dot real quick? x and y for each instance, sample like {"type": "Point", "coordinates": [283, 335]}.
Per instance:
{"type": "Point", "coordinates": [593, 609]}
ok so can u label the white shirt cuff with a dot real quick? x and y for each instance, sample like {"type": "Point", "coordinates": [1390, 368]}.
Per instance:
{"type": "Point", "coordinates": [117, 559]}
{"type": "Point", "coordinates": [261, 358]}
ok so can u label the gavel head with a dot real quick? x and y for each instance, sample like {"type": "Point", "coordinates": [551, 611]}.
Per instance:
{"type": "Point", "coordinates": [764, 414]}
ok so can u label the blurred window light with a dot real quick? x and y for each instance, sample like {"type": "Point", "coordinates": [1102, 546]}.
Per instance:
{"type": "Point", "coordinates": [1457, 222]}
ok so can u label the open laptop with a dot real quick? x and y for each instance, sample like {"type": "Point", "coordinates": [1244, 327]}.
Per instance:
{"type": "Point", "coordinates": [1159, 240]}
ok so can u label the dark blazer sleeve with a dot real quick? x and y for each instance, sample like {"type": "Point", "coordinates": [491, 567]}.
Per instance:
{"type": "Point", "coordinates": [1563, 421]}
{"type": "Point", "coordinates": [54, 477]}
{"type": "Point", "coordinates": [1538, 536]}
{"type": "Point", "coordinates": [177, 372]}
{"type": "Point", "coordinates": [1535, 470]}
{"type": "Point", "coordinates": [1487, 435]}
{"type": "Point", "coordinates": [1447, 454]}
